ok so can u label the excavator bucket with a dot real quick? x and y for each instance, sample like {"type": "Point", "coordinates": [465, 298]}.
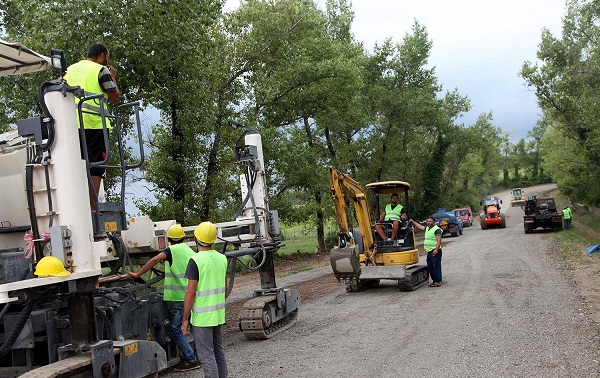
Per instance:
{"type": "Point", "coordinates": [345, 262]}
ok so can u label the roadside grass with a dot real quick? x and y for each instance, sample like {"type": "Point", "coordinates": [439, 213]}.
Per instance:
{"type": "Point", "coordinates": [305, 244]}
{"type": "Point", "coordinates": [585, 233]}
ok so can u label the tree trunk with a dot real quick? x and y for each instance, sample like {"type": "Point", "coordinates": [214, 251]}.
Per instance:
{"type": "Point", "coordinates": [318, 195]}
{"type": "Point", "coordinates": [177, 156]}
{"type": "Point", "coordinates": [379, 171]}
{"type": "Point", "coordinates": [212, 169]}
{"type": "Point", "coordinates": [320, 223]}
{"type": "Point", "coordinates": [329, 143]}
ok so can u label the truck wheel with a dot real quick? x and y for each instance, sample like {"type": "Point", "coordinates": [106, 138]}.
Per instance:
{"type": "Point", "coordinates": [528, 229]}
{"type": "Point", "coordinates": [503, 225]}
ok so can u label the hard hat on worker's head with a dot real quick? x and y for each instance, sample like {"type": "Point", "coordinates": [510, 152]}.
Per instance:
{"type": "Point", "coordinates": [205, 233]}
{"type": "Point", "coordinates": [175, 232]}
{"type": "Point", "coordinates": [50, 266]}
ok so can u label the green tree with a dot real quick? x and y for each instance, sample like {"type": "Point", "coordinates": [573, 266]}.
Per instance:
{"type": "Point", "coordinates": [565, 82]}
{"type": "Point", "coordinates": [158, 49]}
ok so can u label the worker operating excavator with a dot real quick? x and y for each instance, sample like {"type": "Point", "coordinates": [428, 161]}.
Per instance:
{"type": "Point", "coordinates": [394, 213]}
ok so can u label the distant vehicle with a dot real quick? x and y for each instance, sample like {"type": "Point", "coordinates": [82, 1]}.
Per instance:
{"type": "Point", "coordinates": [465, 214]}
{"type": "Point", "coordinates": [449, 223]}
{"type": "Point", "coordinates": [517, 197]}
{"type": "Point", "coordinates": [491, 216]}
{"type": "Point", "coordinates": [541, 212]}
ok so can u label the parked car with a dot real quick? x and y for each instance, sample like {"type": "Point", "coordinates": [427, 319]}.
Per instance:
{"type": "Point", "coordinates": [465, 214]}
{"type": "Point", "coordinates": [449, 223]}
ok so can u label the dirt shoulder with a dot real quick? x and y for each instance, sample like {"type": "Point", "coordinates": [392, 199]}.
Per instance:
{"type": "Point", "coordinates": [585, 269]}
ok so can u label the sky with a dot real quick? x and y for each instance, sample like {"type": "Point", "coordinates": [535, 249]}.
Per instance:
{"type": "Point", "coordinates": [479, 47]}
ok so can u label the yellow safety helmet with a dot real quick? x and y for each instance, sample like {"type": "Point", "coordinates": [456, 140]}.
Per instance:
{"type": "Point", "coordinates": [50, 266]}
{"type": "Point", "coordinates": [206, 233]}
{"type": "Point", "coordinates": [175, 232]}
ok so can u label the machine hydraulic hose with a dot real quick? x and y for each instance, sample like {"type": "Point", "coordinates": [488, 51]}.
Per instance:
{"type": "Point", "coordinates": [48, 120]}
{"type": "Point", "coordinates": [39, 253]}
{"type": "Point", "coordinates": [17, 328]}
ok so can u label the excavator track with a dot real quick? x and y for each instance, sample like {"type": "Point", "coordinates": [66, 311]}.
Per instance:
{"type": "Point", "coordinates": [255, 318]}
{"type": "Point", "coordinates": [416, 276]}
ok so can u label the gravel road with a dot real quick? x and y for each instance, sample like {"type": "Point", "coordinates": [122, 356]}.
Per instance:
{"type": "Point", "coordinates": [508, 308]}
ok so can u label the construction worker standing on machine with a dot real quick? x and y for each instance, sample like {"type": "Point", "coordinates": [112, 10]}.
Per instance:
{"type": "Point", "coordinates": [205, 301]}
{"type": "Point", "coordinates": [394, 213]}
{"type": "Point", "coordinates": [95, 76]}
{"type": "Point", "coordinates": [433, 246]}
{"type": "Point", "coordinates": [176, 258]}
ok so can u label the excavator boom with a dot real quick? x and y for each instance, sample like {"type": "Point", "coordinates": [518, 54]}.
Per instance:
{"type": "Point", "coordinates": [341, 184]}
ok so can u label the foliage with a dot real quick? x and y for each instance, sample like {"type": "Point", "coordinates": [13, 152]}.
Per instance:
{"type": "Point", "coordinates": [294, 70]}
{"type": "Point", "coordinates": [566, 84]}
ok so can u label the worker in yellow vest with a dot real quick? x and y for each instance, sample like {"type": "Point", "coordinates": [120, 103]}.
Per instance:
{"type": "Point", "coordinates": [176, 258]}
{"type": "Point", "coordinates": [394, 213]}
{"type": "Point", "coordinates": [95, 76]}
{"type": "Point", "coordinates": [567, 216]}
{"type": "Point", "coordinates": [205, 301]}
{"type": "Point", "coordinates": [433, 246]}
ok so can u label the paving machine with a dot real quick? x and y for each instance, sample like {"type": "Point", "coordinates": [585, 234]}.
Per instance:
{"type": "Point", "coordinates": [79, 316]}
{"type": "Point", "coordinates": [491, 216]}
{"type": "Point", "coordinates": [517, 197]}
{"type": "Point", "coordinates": [370, 258]}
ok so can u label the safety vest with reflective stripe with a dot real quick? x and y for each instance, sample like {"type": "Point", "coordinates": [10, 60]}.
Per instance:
{"type": "Point", "coordinates": [85, 75]}
{"type": "Point", "coordinates": [208, 309]}
{"type": "Point", "coordinates": [430, 239]}
{"type": "Point", "coordinates": [567, 213]}
{"type": "Point", "coordinates": [175, 281]}
{"type": "Point", "coordinates": [394, 214]}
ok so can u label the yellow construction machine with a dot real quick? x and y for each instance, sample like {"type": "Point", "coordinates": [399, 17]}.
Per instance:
{"type": "Point", "coordinates": [371, 258]}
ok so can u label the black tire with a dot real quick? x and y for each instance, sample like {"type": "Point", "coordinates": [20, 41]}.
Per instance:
{"type": "Point", "coordinates": [460, 231]}
{"type": "Point", "coordinates": [528, 229]}
{"type": "Point", "coordinates": [503, 225]}
{"type": "Point", "coordinates": [454, 231]}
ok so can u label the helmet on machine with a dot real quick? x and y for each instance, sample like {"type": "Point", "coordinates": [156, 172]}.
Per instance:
{"type": "Point", "coordinates": [205, 233]}
{"type": "Point", "coordinates": [50, 266]}
{"type": "Point", "coordinates": [175, 232]}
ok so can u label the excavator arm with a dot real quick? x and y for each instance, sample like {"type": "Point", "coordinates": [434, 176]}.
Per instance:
{"type": "Point", "coordinates": [341, 185]}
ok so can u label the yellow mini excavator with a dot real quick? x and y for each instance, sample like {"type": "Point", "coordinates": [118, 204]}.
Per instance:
{"type": "Point", "coordinates": [370, 258]}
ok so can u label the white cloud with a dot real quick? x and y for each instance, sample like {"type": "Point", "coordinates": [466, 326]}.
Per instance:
{"type": "Point", "coordinates": [478, 47]}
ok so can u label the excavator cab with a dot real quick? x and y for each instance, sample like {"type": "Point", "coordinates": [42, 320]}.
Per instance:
{"type": "Point", "coordinates": [404, 239]}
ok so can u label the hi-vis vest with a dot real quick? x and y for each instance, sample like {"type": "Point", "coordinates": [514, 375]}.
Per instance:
{"type": "Point", "coordinates": [393, 214]}
{"type": "Point", "coordinates": [85, 74]}
{"type": "Point", "coordinates": [430, 239]}
{"type": "Point", "coordinates": [175, 281]}
{"type": "Point", "coordinates": [208, 309]}
{"type": "Point", "coordinates": [567, 213]}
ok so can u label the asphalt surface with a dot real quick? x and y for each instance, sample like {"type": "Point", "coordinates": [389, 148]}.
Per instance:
{"type": "Point", "coordinates": [507, 308]}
